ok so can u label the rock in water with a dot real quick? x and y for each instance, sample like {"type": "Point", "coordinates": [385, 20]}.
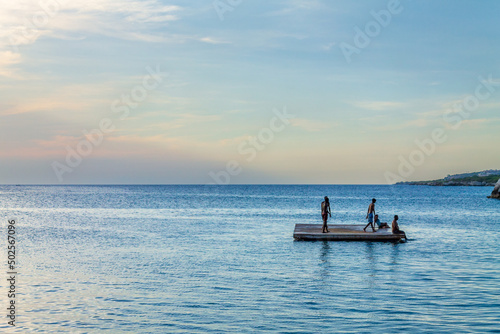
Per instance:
{"type": "Point", "coordinates": [496, 192]}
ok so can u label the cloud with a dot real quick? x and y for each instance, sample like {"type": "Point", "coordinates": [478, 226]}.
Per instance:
{"type": "Point", "coordinates": [233, 142]}
{"type": "Point", "coordinates": [211, 40]}
{"type": "Point", "coordinates": [310, 125]}
{"type": "Point", "coordinates": [34, 19]}
{"type": "Point", "coordinates": [491, 105]}
{"type": "Point", "coordinates": [328, 46]}
{"type": "Point", "coordinates": [179, 121]}
{"type": "Point", "coordinates": [298, 6]}
{"type": "Point", "coordinates": [378, 105]}
{"type": "Point", "coordinates": [23, 23]}
{"type": "Point", "coordinates": [416, 123]}
{"type": "Point", "coordinates": [476, 123]}
{"type": "Point", "coordinates": [130, 20]}
{"type": "Point", "coordinates": [7, 59]}
{"type": "Point", "coordinates": [71, 97]}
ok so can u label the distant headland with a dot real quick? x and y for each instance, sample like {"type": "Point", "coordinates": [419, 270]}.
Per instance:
{"type": "Point", "coordinates": [486, 178]}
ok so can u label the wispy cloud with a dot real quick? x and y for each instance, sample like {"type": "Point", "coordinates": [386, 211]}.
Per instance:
{"type": "Point", "coordinates": [292, 6]}
{"type": "Point", "coordinates": [212, 40]}
{"type": "Point", "coordinates": [310, 125]}
{"type": "Point", "coordinates": [74, 97]}
{"type": "Point", "coordinates": [378, 105]}
{"type": "Point", "coordinates": [178, 121]}
{"type": "Point", "coordinates": [7, 59]}
{"type": "Point", "coordinates": [25, 22]}
{"type": "Point", "coordinates": [412, 124]}
{"type": "Point", "coordinates": [477, 123]}
{"type": "Point", "coordinates": [328, 46]}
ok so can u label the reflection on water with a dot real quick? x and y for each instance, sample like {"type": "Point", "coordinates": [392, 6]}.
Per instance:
{"type": "Point", "coordinates": [379, 259]}
{"type": "Point", "coordinates": [325, 249]}
{"type": "Point", "coordinates": [325, 266]}
{"type": "Point", "coordinates": [395, 252]}
{"type": "Point", "coordinates": [371, 256]}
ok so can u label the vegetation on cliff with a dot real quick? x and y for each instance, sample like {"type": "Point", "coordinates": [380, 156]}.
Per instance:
{"type": "Point", "coordinates": [476, 180]}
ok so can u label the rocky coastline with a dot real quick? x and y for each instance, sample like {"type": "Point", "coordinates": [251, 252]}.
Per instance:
{"type": "Point", "coordinates": [486, 178]}
{"type": "Point", "coordinates": [496, 192]}
{"type": "Point", "coordinates": [440, 183]}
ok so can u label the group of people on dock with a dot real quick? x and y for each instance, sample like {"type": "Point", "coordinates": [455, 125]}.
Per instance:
{"type": "Point", "coordinates": [371, 215]}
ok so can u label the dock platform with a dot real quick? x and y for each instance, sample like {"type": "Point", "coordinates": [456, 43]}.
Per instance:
{"type": "Point", "coordinates": [312, 232]}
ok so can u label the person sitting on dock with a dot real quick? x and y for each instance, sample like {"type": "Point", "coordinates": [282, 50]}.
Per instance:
{"type": "Point", "coordinates": [370, 215]}
{"type": "Point", "coordinates": [395, 227]}
{"type": "Point", "coordinates": [325, 211]}
{"type": "Point", "coordinates": [380, 224]}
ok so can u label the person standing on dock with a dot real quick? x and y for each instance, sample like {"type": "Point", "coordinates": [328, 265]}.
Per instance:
{"type": "Point", "coordinates": [370, 215]}
{"type": "Point", "coordinates": [325, 211]}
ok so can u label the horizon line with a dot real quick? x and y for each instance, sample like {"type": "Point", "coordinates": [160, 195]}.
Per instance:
{"type": "Point", "coordinates": [198, 184]}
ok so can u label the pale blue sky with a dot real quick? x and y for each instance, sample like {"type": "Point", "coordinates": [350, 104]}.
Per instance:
{"type": "Point", "coordinates": [353, 120]}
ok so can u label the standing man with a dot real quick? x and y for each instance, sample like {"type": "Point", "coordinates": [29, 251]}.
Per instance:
{"type": "Point", "coordinates": [325, 211]}
{"type": "Point", "coordinates": [370, 215]}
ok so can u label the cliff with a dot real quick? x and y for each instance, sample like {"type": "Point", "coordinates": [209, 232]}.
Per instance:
{"type": "Point", "coordinates": [496, 192]}
{"type": "Point", "coordinates": [474, 181]}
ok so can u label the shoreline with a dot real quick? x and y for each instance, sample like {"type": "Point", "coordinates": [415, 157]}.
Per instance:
{"type": "Point", "coordinates": [447, 184]}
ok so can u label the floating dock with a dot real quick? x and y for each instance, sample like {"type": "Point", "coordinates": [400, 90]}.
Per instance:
{"type": "Point", "coordinates": [312, 232]}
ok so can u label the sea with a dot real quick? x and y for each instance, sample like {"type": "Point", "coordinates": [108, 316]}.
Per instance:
{"type": "Point", "coordinates": [222, 259]}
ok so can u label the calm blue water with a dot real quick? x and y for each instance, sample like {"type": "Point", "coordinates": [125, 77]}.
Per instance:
{"type": "Point", "coordinates": [196, 259]}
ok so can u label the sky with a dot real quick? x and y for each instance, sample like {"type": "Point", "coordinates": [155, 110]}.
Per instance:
{"type": "Point", "coordinates": [247, 92]}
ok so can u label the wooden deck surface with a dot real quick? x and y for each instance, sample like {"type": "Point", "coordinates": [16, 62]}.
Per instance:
{"type": "Point", "coordinates": [343, 233]}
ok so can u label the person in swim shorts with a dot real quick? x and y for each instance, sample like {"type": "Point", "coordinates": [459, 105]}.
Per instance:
{"type": "Point", "coordinates": [370, 215]}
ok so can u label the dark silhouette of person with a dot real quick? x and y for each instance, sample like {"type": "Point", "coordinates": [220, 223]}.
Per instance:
{"type": "Point", "coordinates": [325, 211]}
